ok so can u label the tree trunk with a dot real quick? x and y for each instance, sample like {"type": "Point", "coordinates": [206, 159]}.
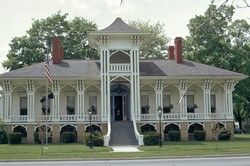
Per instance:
{"type": "Point", "coordinates": [240, 124]}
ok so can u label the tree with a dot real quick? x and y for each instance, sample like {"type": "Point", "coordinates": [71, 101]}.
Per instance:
{"type": "Point", "coordinates": [239, 109]}
{"type": "Point", "coordinates": [155, 45]}
{"type": "Point", "coordinates": [32, 47]}
{"type": "Point", "coordinates": [217, 40]}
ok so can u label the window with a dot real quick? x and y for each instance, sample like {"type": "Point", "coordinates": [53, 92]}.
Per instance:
{"type": "Point", "coordinates": [144, 104]}
{"type": "Point", "coordinates": [93, 102]}
{"type": "Point", "coordinates": [70, 105]}
{"type": "Point", "coordinates": [23, 105]}
{"type": "Point", "coordinates": [190, 103]}
{"type": "Point", "coordinates": [213, 103]}
{"type": "Point", "coordinates": [167, 104]}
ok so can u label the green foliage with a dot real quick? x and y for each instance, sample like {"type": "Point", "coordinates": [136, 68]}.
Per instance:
{"type": "Point", "coordinates": [199, 135]}
{"type": "Point", "coordinates": [239, 109]}
{"type": "Point", "coordinates": [156, 42]}
{"type": "Point", "coordinates": [174, 135]}
{"type": "Point", "coordinates": [97, 139]}
{"type": "Point", "coordinates": [217, 40]}
{"type": "Point", "coordinates": [32, 47]}
{"type": "Point", "coordinates": [225, 135]}
{"type": "Point", "coordinates": [151, 138]}
{"type": "Point", "coordinates": [3, 135]}
{"type": "Point", "coordinates": [68, 137]}
{"type": "Point", "coordinates": [36, 138]}
{"type": "Point", "coordinates": [15, 138]}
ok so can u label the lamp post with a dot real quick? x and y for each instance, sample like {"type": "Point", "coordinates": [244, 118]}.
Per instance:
{"type": "Point", "coordinates": [90, 136]}
{"type": "Point", "coordinates": [159, 110]}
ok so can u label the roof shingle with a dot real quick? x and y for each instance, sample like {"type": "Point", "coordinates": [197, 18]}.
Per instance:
{"type": "Point", "coordinates": [91, 69]}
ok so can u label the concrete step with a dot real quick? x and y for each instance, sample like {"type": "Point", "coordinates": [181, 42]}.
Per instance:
{"type": "Point", "coordinates": [122, 133]}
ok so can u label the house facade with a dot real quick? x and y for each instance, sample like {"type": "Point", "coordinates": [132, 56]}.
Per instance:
{"type": "Point", "coordinates": [122, 89]}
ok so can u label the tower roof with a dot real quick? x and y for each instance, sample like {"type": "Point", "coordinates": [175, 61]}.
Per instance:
{"type": "Point", "coordinates": [119, 26]}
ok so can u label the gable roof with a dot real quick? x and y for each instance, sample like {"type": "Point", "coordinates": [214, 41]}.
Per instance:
{"type": "Point", "coordinates": [91, 69]}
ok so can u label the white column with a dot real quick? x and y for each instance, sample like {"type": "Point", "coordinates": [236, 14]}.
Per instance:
{"type": "Point", "coordinates": [80, 99]}
{"type": "Point", "coordinates": [30, 100]}
{"type": "Point", "coordinates": [104, 84]}
{"type": "Point", "coordinates": [7, 101]}
{"type": "Point", "coordinates": [135, 83]}
{"type": "Point", "coordinates": [228, 88]}
{"type": "Point", "coordinates": [207, 98]}
{"type": "Point", "coordinates": [55, 101]}
{"type": "Point", "coordinates": [158, 94]}
{"type": "Point", "coordinates": [183, 98]}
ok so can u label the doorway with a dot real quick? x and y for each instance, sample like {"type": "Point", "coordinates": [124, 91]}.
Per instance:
{"type": "Point", "coordinates": [118, 108]}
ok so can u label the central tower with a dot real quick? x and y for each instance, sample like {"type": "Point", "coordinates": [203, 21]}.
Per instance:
{"type": "Point", "coordinates": [118, 46]}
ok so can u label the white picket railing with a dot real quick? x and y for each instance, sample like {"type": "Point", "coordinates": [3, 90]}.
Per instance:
{"type": "Point", "coordinates": [195, 115]}
{"type": "Point", "coordinates": [178, 116]}
{"type": "Point", "coordinates": [97, 118]}
{"type": "Point", "coordinates": [120, 68]}
{"type": "Point", "coordinates": [50, 118]}
{"type": "Point", "coordinates": [21, 118]}
{"type": "Point", "coordinates": [217, 116]}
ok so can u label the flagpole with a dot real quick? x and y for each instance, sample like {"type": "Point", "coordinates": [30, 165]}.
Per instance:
{"type": "Point", "coordinates": [47, 106]}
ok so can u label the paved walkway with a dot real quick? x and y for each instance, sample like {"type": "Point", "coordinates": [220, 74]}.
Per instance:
{"type": "Point", "coordinates": [125, 149]}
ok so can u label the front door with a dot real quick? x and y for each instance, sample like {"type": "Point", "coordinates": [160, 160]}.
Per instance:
{"type": "Point", "coordinates": [118, 108]}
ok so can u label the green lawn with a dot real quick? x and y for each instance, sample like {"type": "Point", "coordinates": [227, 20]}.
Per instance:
{"type": "Point", "coordinates": [240, 145]}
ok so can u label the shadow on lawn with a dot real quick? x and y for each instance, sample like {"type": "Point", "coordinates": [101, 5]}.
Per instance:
{"type": "Point", "coordinates": [184, 143]}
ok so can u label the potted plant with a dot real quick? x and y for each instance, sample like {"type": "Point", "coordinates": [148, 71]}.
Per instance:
{"type": "Point", "coordinates": [168, 108]}
{"type": "Point", "coordinates": [71, 110]}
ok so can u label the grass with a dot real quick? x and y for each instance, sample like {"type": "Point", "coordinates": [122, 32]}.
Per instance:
{"type": "Point", "coordinates": [240, 145]}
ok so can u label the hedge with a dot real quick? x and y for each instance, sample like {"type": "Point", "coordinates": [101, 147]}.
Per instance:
{"type": "Point", "coordinates": [151, 138]}
{"type": "Point", "coordinates": [199, 135]}
{"type": "Point", "coordinates": [3, 136]}
{"type": "Point", "coordinates": [97, 139]}
{"type": "Point", "coordinates": [68, 137]}
{"type": "Point", "coordinates": [15, 138]}
{"type": "Point", "coordinates": [174, 135]}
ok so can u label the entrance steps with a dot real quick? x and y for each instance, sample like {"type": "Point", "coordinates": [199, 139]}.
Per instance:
{"type": "Point", "coordinates": [122, 133]}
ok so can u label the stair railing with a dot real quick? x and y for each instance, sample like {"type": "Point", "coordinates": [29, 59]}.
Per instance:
{"type": "Point", "coordinates": [107, 136]}
{"type": "Point", "coordinates": [138, 136]}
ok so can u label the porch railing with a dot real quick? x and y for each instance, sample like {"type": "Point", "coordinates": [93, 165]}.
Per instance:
{"type": "Point", "coordinates": [50, 118]}
{"type": "Point", "coordinates": [119, 68]}
{"type": "Point", "coordinates": [178, 116]}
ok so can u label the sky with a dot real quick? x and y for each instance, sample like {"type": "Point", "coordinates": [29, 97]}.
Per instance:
{"type": "Point", "coordinates": [16, 15]}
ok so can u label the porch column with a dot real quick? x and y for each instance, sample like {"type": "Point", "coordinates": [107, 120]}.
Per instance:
{"type": "Point", "coordinates": [105, 99]}
{"type": "Point", "coordinates": [7, 101]}
{"type": "Point", "coordinates": [206, 98]}
{"type": "Point", "coordinates": [228, 88]}
{"type": "Point", "coordinates": [135, 83]}
{"type": "Point", "coordinates": [158, 94]}
{"type": "Point", "coordinates": [55, 101]}
{"type": "Point", "coordinates": [183, 98]}
{"type": "Point", "coordinates": [80, 99]}
{"type": "Point", "coordinates": [30, 100]}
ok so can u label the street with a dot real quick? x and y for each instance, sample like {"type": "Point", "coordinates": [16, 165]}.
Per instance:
{"type": "Point", "coordinates": [218, 161]}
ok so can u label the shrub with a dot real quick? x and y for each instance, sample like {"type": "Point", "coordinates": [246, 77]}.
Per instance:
{"type": "Point", "coordinates": [68, 137]}
{"type": "Point", "coordinates": [174, 135]}
{"type": "Point", "coordinates": [15, 138]}
{"type": "Point", "coordinates": [151, 138]}
{"type": "Point", "coordinates": [225, 135]}
{"type": "Point", "coordinates": [37, 138]}
{"type": "Point", "coordinates": [97, 139]}
{"type": "Point", "coordinates": [3, 136]}
{"type": "Point", "coordinates": [199, 135]}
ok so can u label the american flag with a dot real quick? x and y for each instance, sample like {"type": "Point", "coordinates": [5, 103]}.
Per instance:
{"type": "Point", "coordinates": [47, 71]}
